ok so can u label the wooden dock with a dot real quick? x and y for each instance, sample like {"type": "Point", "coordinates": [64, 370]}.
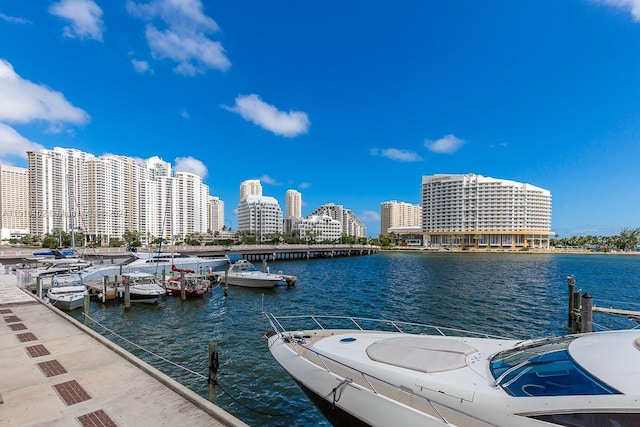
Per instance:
{"type": "Point", "coordinates": [57, 372]}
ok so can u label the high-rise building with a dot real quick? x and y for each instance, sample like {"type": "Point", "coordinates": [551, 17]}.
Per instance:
{"type": "Point", "coordinates": [260, 215]}
{"type": "Point", "coordinates": [319, 228]}
{"type": "Point", "coordinates": [191, 201]}
{"type": "Point", "coordinates": [216, 214]}
{"type": "Point", "coordinates": [472, 210]}
{"type": "Point", "coordinates": [14, 202]}
{"type": "Point", "coordinates": [351, 224]}
{"type": "Point", "coordinates": [293, 204]}
{"type": "Point", "coordinates": [106, 196]}
{"type": "Point", "coordinates": [250, 187]}
{"type": "Point", "coordinates": [399, 214]}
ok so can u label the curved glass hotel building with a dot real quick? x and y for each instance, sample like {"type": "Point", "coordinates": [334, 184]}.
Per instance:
{"type": "Point", "coordinates": [472, 211]}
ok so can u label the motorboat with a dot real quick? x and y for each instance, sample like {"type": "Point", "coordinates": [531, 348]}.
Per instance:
{"type": "Point", "coordinates": [243, 273]}
{"type": "Point", "coordinates": [155, 263]}
{"type": "Point", "coordinates": [67, 291]}
{"type": "Point", "coordinates": [194, 285]}
{"type": "Point", "coordinates": [143, 287]}
{"type": "Point", "coordinates": [362, 372]}
{"type": "Point", "coordinates": [44, 269]}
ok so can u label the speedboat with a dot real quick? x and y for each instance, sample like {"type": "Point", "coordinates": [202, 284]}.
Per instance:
{"type": "Point", "coordinates": [154, 263]}
{"type": "Point", "coordinates": [143, 287]}
{"type": "Point", "coordinates": [383, 373]}
{"type": "Point", "coordinates": [243, 273]}
{"type": "Point", "coordinates": [67, 291]}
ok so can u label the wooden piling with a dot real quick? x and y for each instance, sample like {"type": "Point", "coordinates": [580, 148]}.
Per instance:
{"type": "Point", "coordinates": [183, 290]}
{"type": "Point", "coordinates": [104, 289]}
{"type": "Point", "coordinates": [39, 287]}
{"type": "Point", "coordinates": [213, 372]}
{"type": "Point", "coordinates": [86, 309]}
{"type": "Point", "coordinates": [127, 295]}
{"type": "Point", "coordinates": [586, 313]}
{"type": "Point", "coordinates": [571, 284]}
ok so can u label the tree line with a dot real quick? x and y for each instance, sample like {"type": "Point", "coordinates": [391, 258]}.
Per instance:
{"type": "Point", "coordinates": [627, 240]}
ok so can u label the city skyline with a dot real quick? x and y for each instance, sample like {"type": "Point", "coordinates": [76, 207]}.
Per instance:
{"type": "Point", "coordinates": [353, 114]}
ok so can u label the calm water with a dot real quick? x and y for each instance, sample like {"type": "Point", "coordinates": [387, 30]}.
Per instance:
{"type": "Point", "coordinates": [518, 295]}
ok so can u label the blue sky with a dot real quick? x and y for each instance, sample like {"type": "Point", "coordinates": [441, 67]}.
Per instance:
{"type": "Point", "coordinates": [348, 102]}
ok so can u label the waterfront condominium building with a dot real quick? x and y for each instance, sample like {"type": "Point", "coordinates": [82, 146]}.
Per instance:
{"type": "Point", "coordinates": [216, 214]}
{"type": "Point", "coordinates": [250, 187]}
{"type": "Point", "coordinates": [14, 202]}
{"type": "Point", "coordinates": [190, 201]}
{"type": "Point", "coordinates": [106, 196]}
{"type": "Point", "coordinates": [293, 211]}
{"type": "Point", "coordinates": [293, 204]}
{"type": "Point", "coordinates": [351, 225]}
{"type": "Point", "coordinates": [319, 228]}
{"type": "Point", "coordinates": [462, 211]}
{"type": "Point", "coordinates": [259, 215]}
{"type": "Point", "coordinates": [399, 214]}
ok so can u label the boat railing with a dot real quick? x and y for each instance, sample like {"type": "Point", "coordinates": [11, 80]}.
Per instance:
{"type": "Point", "coordinates": [282, 324]}
{"type": "Point", "coordinates": [298, 343]}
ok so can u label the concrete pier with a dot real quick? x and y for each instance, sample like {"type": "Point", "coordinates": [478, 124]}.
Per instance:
{"type": "Point", "coordinates": [54, 371]}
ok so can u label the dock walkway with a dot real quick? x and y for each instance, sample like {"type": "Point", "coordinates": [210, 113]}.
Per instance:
{"type": "Point", "coordinates": [54, 371]}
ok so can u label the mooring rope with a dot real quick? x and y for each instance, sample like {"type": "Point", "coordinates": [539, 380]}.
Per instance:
{"type": "Point", "coordinates": [204, 377]}
{"type": "Point", "coordinates": [164, 359]}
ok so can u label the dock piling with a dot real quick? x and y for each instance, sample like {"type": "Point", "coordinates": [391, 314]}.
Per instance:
{"type": "Point", "coordinates": [86, 309]}
{"type": "Point", "coordinates": [127, 295]}
{"type": "Point", "coordinates": [213, 372]}
{"type": "Point", "coordinates": [586, 313]}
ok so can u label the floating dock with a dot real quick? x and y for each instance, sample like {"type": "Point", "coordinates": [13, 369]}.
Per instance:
{"type": "Point", "coordinates": [57, 372]}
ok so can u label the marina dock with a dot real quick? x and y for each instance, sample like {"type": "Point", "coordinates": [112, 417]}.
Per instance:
{"type": "Point", "coordinates": [54, 371]}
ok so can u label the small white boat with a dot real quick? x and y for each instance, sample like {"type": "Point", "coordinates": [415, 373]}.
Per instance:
{"type": "Point", "coordinates": [143, 287]}
{"type": "Point", "coordinates": [243, 273]}
{"type": "Point", "coordinates": [67, 291]}
{"type": "Point", "coordinates": [389, 375]}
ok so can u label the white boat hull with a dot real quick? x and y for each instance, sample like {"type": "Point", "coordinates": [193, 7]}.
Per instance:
{"type": "Point", "coordinates": [67, 298]}
{"type": "Point", "coordinates": [252, 280]}
{"type": "Point", "coordinates": [377, 378]}
{"type": "Point", "coordinates": [352, 405]}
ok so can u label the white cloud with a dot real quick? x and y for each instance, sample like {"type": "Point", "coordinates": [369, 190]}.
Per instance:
{"type": "Point", "coordinates": [632, 6]}
{"type": "Point", "coordinates": [193, 52]}
{"type": "Point", "coordinates": [447, 144]}
{"type": "Point", "coordinates": [255, 110]}
{"type": "Point", "coordinates": [370, 216]}
{"type": "Point", "coordinates": [185, 114]}
{"type": "Point", "coordinates": [85, 17]}
{"type": "Point", "coordinates": [141, 66]}
{"type": "Point", "coordinates": [304, 185]}
{"type": "Point", "coordinates": [267, 179]}
{"type": "Point", "coordinates": [22, 101]}
{"type": "Point", "coordinates": [13, 19]}
{"type": "Point", "coordinates": [191, 165]}
{"type": "Point", "coordinates": [12, 144]}
{"type": "Point", "coordinates": [184, 36]}
{"type": "Point", "coordinates": [397, 154]}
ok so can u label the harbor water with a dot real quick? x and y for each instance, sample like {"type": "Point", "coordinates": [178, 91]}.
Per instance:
{"type": "Point", "coordinates": [521, 295]}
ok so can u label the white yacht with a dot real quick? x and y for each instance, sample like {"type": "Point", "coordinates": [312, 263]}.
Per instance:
{"type": "Point", "coordinates": [67, 291]}
{"type": "Point", "coordinates": [375, 374]}
{"type": "Point", "coordinates": [243, 273]}
{"type": "Point", "coordinates": [143, 287]}
{"type": "Point", "coordinates": [155, 263]}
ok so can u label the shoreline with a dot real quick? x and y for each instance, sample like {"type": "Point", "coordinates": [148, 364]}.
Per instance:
{"type": "Point", "coordinates": [509, 251]}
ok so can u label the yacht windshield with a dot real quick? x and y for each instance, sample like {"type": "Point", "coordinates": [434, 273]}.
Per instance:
{"type": "Point", "coordinates": [544, 368]}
